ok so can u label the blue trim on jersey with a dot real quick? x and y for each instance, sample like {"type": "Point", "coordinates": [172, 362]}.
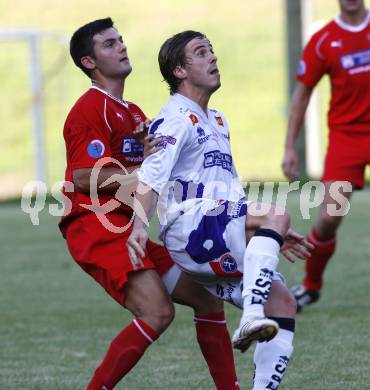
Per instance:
{"type": "Point", "coordinates": [154, 126]}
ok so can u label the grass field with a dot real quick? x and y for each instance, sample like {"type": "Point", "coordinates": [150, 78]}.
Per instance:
{"type": "Point", "coordinates": [56, 323]}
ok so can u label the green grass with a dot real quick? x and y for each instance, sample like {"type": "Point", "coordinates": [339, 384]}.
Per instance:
{"type": "Point", "coordinates": [248, 37]}
{"type": "Point", "coordinates": [56, 323]}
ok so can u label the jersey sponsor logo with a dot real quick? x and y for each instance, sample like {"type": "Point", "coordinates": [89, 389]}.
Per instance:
{"type": "Point", "coordinates": [226, 266]}
{"type": "Point", "coordinates": [119, 115]}
{"type": "Point", "coordinates": [165, 140]}
{"type": "Point", "coordinates": [336, 43]}
{"type": "Point", "coordinates": [219, 121]}
{"type": "Point", "coordinates": [154, 126]}
{"type": "Point", "coordinates": [194, 119]}
{"type": "Point", "coordinates": [220, 290]}
{"type": "Point", "coordinates": [301, 68]}
{"type": "Point", "coordinates": [137, 118]}
{"type": "Point", "coordinates": [183, 110]}
{"type": "Point", "coordinates": [137, 159]}
{"type": "Point", "coordinates": [202, 137]}
{"type": "Point", "coordinates": [225, 292]}
{"type": "Point", "coordinates": [228, 263]}
{"type": "Point", "coordinates": [131, 146]}
{"type": "Point", "coordinates": [96, 148]}
{"type": "Point", "coordinates": [353, 60]}
{"type": "Point", "coordinates": [200, 132]}
{"type": "Point", "coordinates": [360, 69]}
{"type": "Point", "coordinates": [215, 158]}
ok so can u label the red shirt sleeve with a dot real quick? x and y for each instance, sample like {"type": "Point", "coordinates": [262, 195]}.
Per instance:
{"type": "Point", "coordinates": [87, 142]}
{"type": "Point", "coordinates": [312, 65]}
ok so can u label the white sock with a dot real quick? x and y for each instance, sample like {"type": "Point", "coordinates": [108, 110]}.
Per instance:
{"type": "Point", "coordinates": [260, 261]}
{"type": "Point", "coordinates": [271, 360]}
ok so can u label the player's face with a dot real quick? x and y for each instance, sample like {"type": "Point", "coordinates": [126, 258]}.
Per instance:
{"type": "Point", "coordinates": [111, 58]}
{"type": "Point", "coordinates": [351, 6]}
{"type": "Point", "coordinates": [201, 65]}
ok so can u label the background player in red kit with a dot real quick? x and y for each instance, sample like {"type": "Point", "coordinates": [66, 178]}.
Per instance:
{"type": "Point", "coordinates": [100, 125]}
{"type": "Point", "coordinates": [340, 49]}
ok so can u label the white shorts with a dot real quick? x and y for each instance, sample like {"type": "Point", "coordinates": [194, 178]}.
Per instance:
{"type": "Point", "coordinates": [171, 277]}
{"type": "Point", "coordinates": [210, 246]}
{"type": "Point", "coordinates": [209, 242]}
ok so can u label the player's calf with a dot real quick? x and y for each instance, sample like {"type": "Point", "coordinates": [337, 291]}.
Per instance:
{"type": "Point", "coordinates": [271, 359]}
{"type": "Point", "coordinates": [260, 262]}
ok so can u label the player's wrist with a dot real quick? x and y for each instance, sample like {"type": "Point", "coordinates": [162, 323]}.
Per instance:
{"type": "Point", "coordinates": [139, 224]}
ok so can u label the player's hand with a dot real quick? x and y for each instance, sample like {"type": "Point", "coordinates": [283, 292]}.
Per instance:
{"type": "Point", "coordinates": [141, 131]}
{"type": "Point", "coordinates": [296, 246]}
{"type": "Point", "coordinates": [290, 164]}
{"type": "Point", "coordinates": [151, 145]}
{"type": "Point", "coordinates": [136, 245]}
{"type": "Point", "coordinates": [150, 141]}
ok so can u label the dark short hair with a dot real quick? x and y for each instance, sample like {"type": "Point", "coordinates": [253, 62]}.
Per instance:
{"type": "Point", "coordinates": [82, 43]}
{"type": "Point", "coordinates": [172, 54]}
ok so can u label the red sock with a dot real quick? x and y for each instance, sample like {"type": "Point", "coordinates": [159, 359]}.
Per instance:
{"type": "Point", "coordinates": [215, 344]}
{"type": "Point", "coordinates": [124, 352]}
{"type": "Point", "coordinates": [315, 265]}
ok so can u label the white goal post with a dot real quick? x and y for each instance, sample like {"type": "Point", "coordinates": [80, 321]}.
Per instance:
{"type": "Point", "coordinates": [31, 37]}
{"type": "Point", "coordinates": [314, 156]}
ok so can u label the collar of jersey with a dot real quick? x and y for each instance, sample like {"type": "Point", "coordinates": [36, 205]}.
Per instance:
{"type": "Point", "coordinates": [111, 96]}
{"type": "Point", "coordinates": [351, 28]}
{"type": "Point", "coordinates": [194, 107]}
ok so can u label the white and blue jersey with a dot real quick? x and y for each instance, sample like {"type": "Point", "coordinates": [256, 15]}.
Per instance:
{"type": "Point", "coordinates": [202, 206]}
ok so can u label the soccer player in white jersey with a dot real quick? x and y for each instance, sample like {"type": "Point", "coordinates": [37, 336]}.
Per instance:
{"type": "Point", "coordinates": [202, 210]}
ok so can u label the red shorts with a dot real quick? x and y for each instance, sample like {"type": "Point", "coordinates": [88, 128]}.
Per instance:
{"type": "Point", "coordinates": [347, 157]}
{"type": "Point", "coordinates": [104, 256]}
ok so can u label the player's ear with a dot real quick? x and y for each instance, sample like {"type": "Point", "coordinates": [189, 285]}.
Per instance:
{"type": "Point", "coordinates": [88, 62]}
{"type": "Point", "coordinates": [179, 72]}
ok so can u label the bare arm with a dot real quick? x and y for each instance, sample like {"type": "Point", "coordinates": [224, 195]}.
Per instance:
{"type": "Point", "coordinates": [83, 176]}
{"type": "Point", "coordinates": [300, 100]}
{"type": "Point", "coordinates": [136, 243]}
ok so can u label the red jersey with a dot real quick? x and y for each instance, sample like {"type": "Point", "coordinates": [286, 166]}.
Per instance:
{"type": "Point", "coordinates": [343, 52]}
{"type": "Point", "coordinates": [99, 125]}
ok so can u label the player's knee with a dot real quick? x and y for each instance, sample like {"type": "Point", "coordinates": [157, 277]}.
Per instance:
{"type": "Point", "coordinates": [281, 302]}
{"type": "Point", "coordinates": [207, 304]}
{"type": "Point", "coordinates": [162, 315]}
{"type": "Point", "coordinates": [158, 314]}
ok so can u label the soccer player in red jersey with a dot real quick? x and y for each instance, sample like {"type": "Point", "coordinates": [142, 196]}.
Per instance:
{"type": "Point", "coordinates": [340, 49]}
{"type": "Point", "coordinates": [102, 152]}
